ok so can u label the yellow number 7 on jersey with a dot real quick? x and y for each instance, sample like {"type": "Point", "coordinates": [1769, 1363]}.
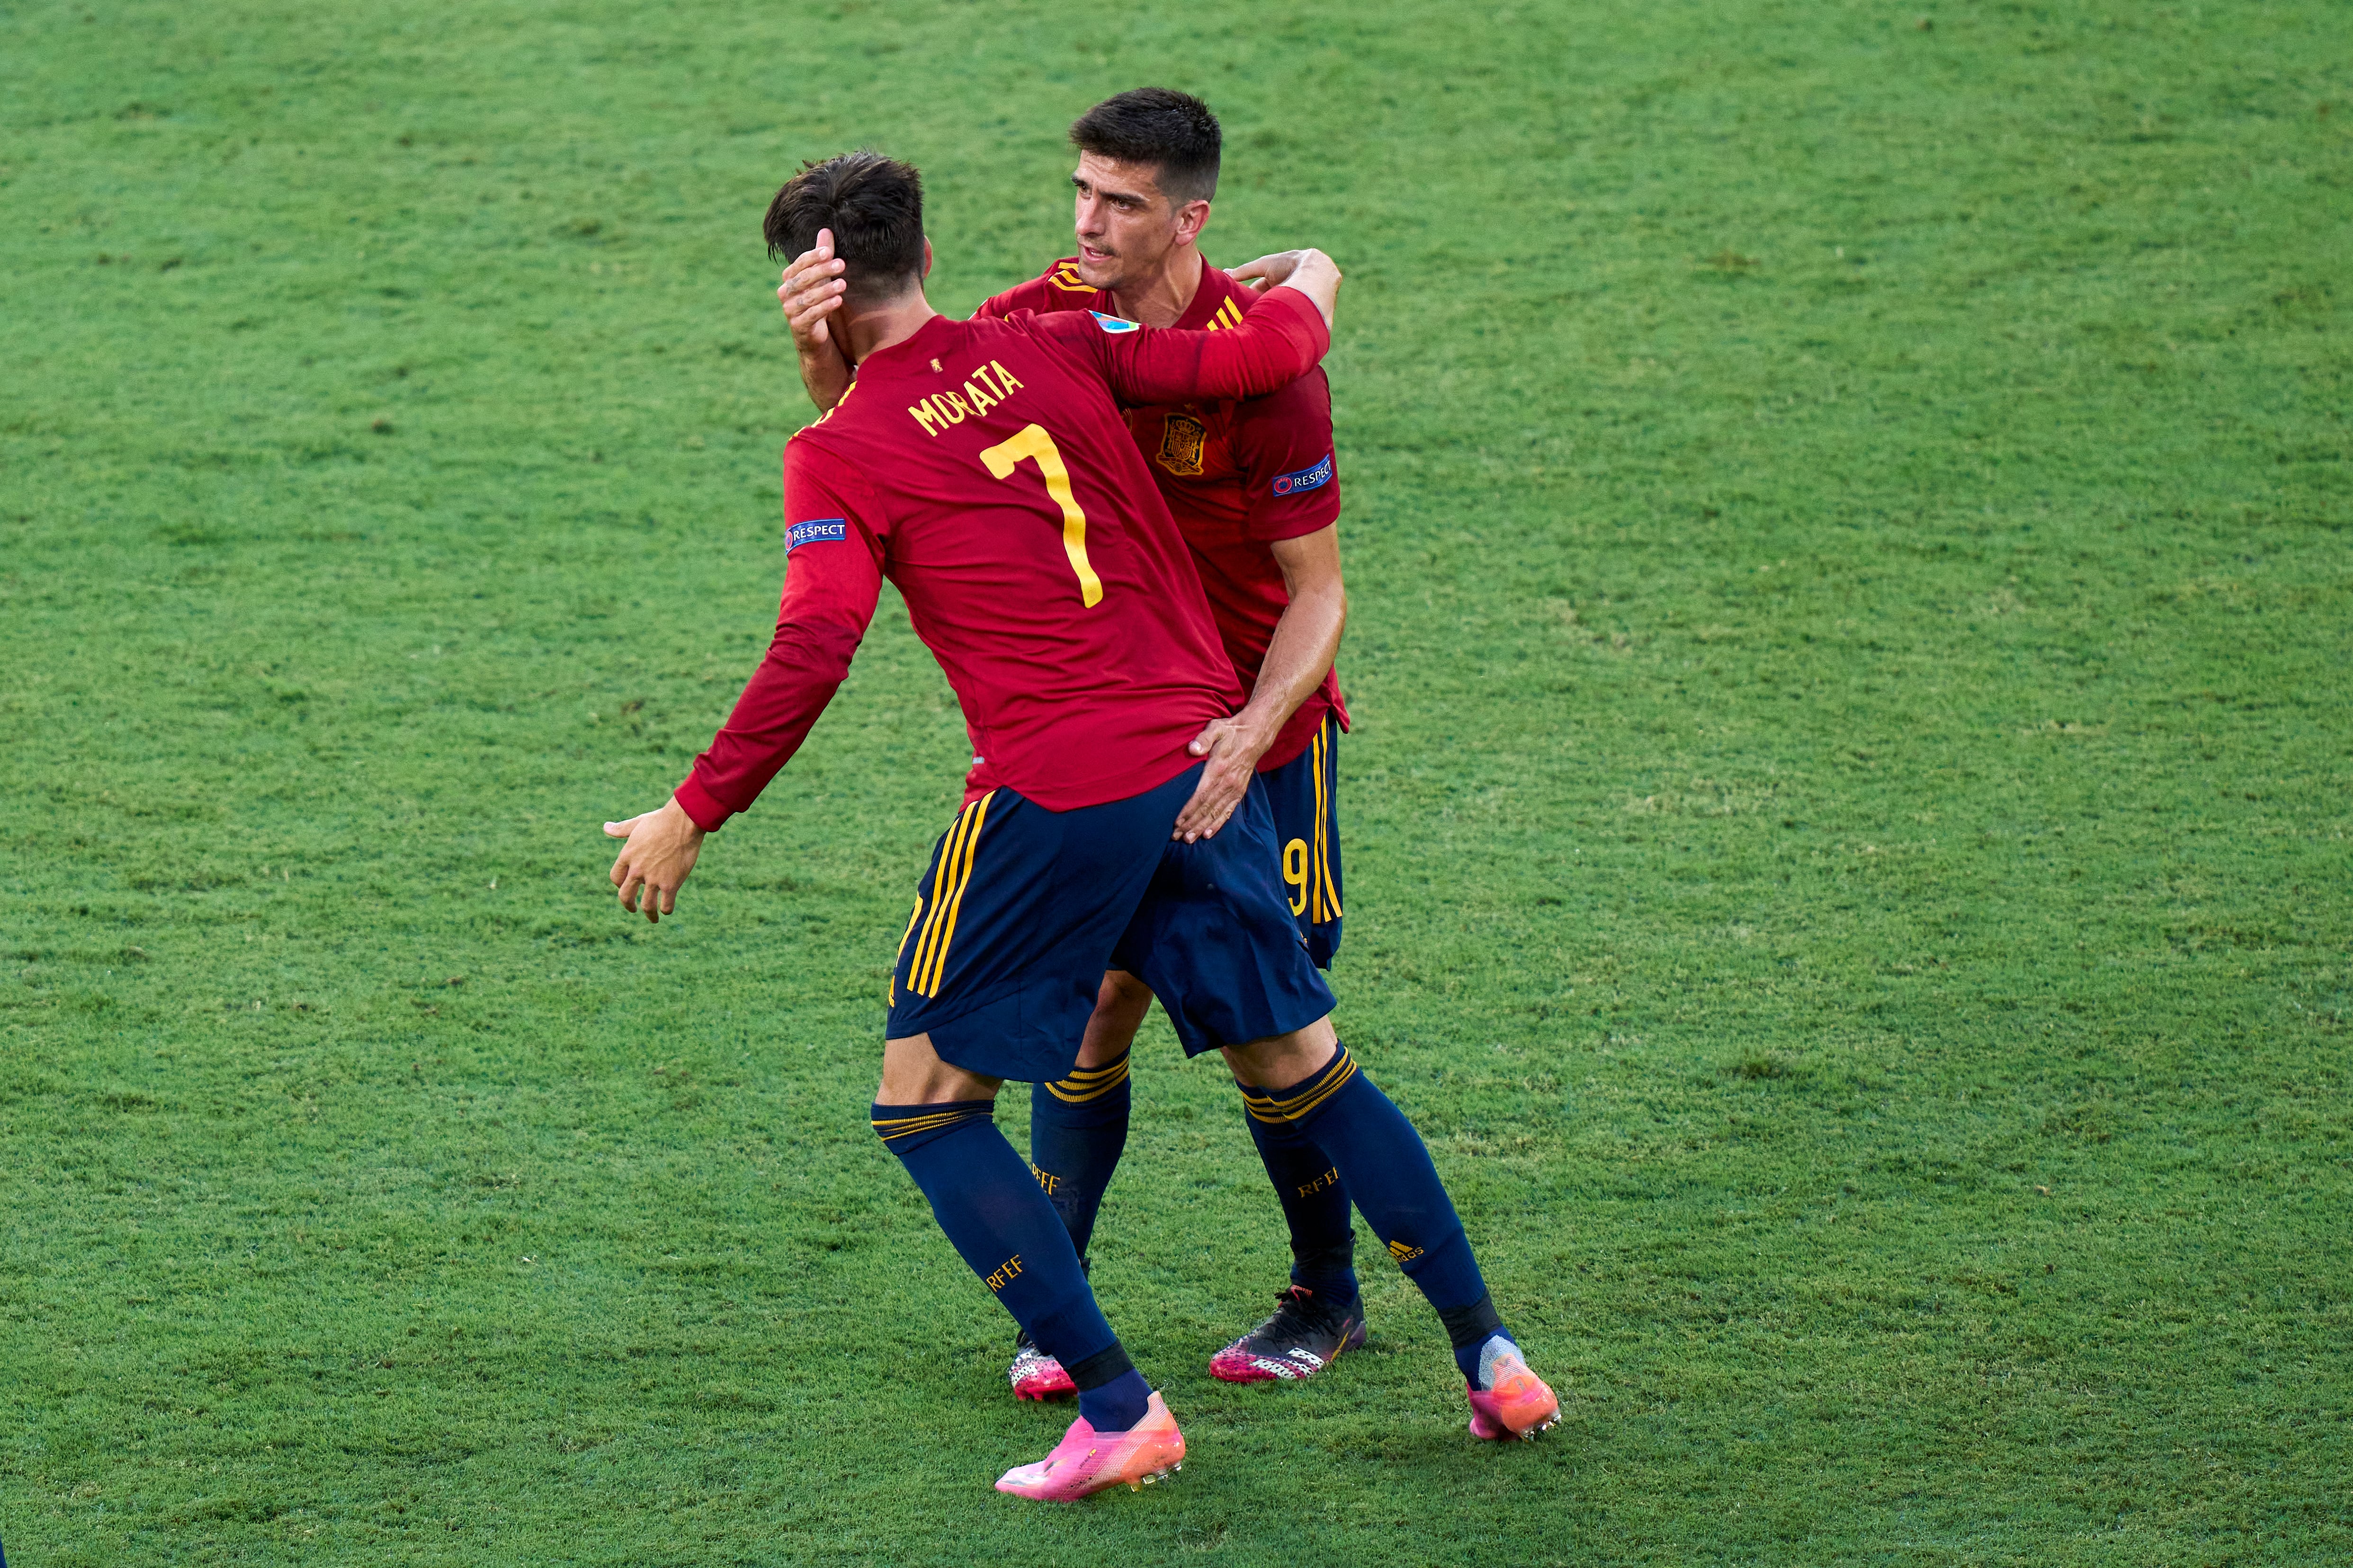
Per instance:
{"type": "Point", "coordinates": [1031, 441]}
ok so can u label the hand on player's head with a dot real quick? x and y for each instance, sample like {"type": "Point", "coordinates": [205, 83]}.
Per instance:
{"type": "Point", "coordinates": [812, 290]}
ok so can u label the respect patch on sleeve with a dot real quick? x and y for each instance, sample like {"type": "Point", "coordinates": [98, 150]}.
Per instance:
{"type": "Point", "coordinates": [1314, 479]}
{"type": "Point", "coordinates": [815, 530]}
{"type": "Point", "coordinates": [1112, 323]}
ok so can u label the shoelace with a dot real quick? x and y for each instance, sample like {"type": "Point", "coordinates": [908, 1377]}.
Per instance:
{"type": "Point", "coordinates": [1297, 1314]}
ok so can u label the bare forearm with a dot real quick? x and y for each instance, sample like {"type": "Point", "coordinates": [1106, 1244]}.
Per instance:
{"type": "Point", "coordinates": [1306, 640]}
{"type": "Point", "coordinates": [825, 377]}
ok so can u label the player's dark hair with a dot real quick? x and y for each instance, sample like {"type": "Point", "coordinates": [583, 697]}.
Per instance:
{"type": "Point", "coordinates": [1157, 125]}
{"type": "Point", "coordinates": [875, 208]}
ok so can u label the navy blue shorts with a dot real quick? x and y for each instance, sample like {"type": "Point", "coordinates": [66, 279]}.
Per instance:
{"type": "Point", "coordinates": [1022, 909]}
{"type": "Point", "coordinates": [1303, 794]}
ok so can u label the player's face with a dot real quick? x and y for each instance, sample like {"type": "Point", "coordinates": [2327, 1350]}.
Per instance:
{"type": "Point", "coordinates": [1126, 225]}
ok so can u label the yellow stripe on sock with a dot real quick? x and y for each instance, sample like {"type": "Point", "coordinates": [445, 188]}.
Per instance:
{"type": "Point", "coordinates": [1342, 1069]}
{"type": "Point", "coordinates": [900, 1126]}
{"type": "Point", "coordinates": [1090, 1083]}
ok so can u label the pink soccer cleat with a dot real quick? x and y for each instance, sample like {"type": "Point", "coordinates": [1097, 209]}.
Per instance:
{"type": "Point", "coordinates": [1034, 1374]}
{"type": "Point", "coordinates": [1085, 1462]}
{"type": "Point", "coordinates": [1518, 1406]}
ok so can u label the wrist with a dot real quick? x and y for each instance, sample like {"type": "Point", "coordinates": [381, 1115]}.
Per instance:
{"type": "Point", "coordinates": [698, 806]}
{"type": "Point", "coordinates": [1254, 732]}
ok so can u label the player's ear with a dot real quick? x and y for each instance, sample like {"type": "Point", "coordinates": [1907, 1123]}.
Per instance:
{"type": "Point", "coordinates": [1191, 219]}
{"type": "Point", "coordinates": [927, 256]}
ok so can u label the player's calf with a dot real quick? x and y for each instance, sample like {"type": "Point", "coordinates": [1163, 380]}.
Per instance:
{"type": "Point", "coordinates": [1388, 1172]}
{"type": "Point", "coordinates": [992, 1211]}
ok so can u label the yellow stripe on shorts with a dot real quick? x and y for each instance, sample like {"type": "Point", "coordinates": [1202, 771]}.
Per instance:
{"type": "Point", "coordinates": [947, 898]}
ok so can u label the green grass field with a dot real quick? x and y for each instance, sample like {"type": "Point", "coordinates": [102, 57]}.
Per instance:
{"type": "Point", "coordinates": [1848, 514]}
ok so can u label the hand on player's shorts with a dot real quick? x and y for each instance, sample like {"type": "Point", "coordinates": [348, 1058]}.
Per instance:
{"type": "Point", "coordinates": [1233, 763]}
{"type": "Point", "coordinates": [655, 861]}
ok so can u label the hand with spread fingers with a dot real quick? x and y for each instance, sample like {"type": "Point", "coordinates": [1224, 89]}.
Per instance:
{"type": "Point", "coordinates": [655, 861]}
{"type": "Point", "coordinates": [1233, 747]}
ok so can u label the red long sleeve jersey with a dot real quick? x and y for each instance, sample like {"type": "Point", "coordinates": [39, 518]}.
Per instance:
{"type": "Point", "coordinates": [1238, 476]}
{"type": "Point", "coordinates": [983, 466]}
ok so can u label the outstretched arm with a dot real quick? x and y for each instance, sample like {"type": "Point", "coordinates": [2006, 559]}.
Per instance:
{"type": "Point", "coordinates": [832, 579]}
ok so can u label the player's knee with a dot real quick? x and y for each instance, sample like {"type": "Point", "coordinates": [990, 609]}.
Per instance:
{"type": "Point", "coordinates": [1124, 993]}
{"type": "Point", "coordinates": [1281, 1061]}
{"type": "Point", "coordinates": [1120, 1006]}
{"type": "Point", "coordinates": [913, 1074]}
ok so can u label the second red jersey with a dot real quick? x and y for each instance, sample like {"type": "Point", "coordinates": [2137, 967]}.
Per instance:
{"type": "Point", "coordinates": [1239, 475]}
{"type": "Point", "coordinates": [983, 466]}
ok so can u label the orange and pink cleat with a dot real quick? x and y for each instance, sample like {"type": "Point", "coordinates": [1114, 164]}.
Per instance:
{"type": "Point", "coordinates": [1086, 1461]}
{"type": "Point", "coordinates": [1518, 1406]}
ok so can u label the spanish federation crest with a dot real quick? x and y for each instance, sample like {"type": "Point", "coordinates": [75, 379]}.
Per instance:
{"type": "Point", "coordinates": [1181, 436]}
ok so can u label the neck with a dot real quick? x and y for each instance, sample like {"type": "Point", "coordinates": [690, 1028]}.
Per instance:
{"type": "Point", "coordinates": [1159, 298]}
{"type": "Point", "coordinates": [875, 327]}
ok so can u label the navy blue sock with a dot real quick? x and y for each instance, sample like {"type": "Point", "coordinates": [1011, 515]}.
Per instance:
{"type": "Point", "coordinates": [1477, 1360]}
{"type": "Point", "coordinates": [994, 1213]}
{"type": "Point", "coordinates": [1077, 1129]}
{"type": "Point", "coordinates": [1314, 1202]}
{"type": "Point", "coordinates": [1393, 1184]}
{"type": "Point", "coordinates": [1116, 1405]}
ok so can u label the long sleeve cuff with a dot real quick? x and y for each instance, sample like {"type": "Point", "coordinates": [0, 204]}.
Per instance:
{"type": "Point", "coordinates": [700, 805]}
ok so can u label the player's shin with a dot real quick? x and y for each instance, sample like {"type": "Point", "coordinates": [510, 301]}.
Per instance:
{"type": "Point", "coordinates": [1389, 1173]}
{"type": "Point", "coordinates": [998, 1220]}
{"type": "Point", "coordinates": [1314, 1202]}
{"type": "Point", "coordinates": [1078, 1128]}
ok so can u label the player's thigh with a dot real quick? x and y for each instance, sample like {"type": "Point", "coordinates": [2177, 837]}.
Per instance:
{"type": "Point", "coordinates": [1285, 1059]}
{"type": "Point", "coordinates": [1013, 926]}
{"type": "Point", "coordinates": [913, 1074]}
{"type": "Point", "coordinates": [1215, 939]}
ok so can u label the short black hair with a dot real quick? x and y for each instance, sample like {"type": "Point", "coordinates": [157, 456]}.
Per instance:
{"type": "Point", "coordinates": [1157, 125]}
{"type": "Point", "coordinates": [874, 205]}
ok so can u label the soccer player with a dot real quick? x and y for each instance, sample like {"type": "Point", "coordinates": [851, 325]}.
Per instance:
{"type": "Point", "coordinates": [983, 468]}
{"type": "Point", "coordinates": [1254, 487]}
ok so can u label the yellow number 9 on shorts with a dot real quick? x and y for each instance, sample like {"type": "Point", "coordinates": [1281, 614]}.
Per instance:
{"type": "Point", "coordinates": [1294, 871]}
